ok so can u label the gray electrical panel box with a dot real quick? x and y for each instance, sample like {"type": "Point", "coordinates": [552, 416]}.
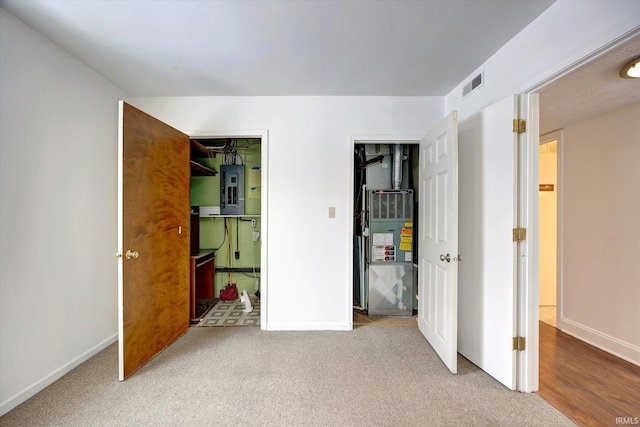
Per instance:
{"type": "Point", "coordinates": [232, 190]}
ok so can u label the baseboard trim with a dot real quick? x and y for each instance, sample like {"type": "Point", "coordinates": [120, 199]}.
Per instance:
{"type": "Point", "coordinates": [309, 327]}
{"type": "Point", "coordinates": [30, 391]}
{"type": "Point", "coordinates": [604, 342]}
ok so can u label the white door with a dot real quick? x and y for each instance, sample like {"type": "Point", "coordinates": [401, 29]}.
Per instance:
{"type": "Point", "coordinates": [487, 322]}
{"type": "Point", "coordinates": [438, 241]}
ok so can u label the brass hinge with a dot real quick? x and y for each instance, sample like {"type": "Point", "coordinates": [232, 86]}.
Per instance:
{"type": "Point", "coordinates": [519, 343]}
{"type": "Point", "coordinates": [519, 126]}
{"type": "Point", "coordinates": [519, 234]}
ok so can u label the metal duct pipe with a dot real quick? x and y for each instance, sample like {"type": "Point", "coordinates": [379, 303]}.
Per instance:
{"type": "Point", "coordinates": [397, 166]}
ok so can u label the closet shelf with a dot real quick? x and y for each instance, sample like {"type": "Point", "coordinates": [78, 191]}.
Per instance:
{"type": "Point", "coordinates": [199, 170]}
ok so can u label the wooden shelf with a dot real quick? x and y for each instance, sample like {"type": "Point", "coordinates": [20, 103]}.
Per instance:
{"type": "Point", "coordinates": [199, 170]}
{"type": "Point", "coordinates": [198, 150]}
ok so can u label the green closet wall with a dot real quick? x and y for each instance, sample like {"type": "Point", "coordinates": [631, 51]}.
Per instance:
{"type": "Point", "coordinates": [205, 191]}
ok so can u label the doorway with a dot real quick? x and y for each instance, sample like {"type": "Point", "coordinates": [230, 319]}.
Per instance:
{"type": "Point", "coordinates": [385, 171]}
{"type": "Point", "coordinates": [225, 200]}
{"type": "Point", "coordinates": [548, 227]}
{"type": "Point", "coordinates": [246, 254]}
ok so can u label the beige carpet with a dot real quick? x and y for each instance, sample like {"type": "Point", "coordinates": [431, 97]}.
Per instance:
{"type": "Point", "coordinates": [371, 376]}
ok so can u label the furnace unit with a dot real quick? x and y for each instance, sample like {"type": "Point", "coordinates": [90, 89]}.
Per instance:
{"type": "Point", "coordinates": [390, 269]}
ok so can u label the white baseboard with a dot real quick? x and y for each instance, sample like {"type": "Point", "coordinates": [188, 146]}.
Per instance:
{"type": "Point", "coordinates": [30, 391]}
{"type": "Point", "coordinates": [612, 345]}
{"type": "Point", "coordinates": [309, 327]}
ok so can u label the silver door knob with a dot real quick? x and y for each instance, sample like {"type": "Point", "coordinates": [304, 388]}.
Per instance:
{"type": "Point", "coordinates": [446, 257]}
{"type": "Point", "coordinates": [131, 254]}
{"type": "Point", "coordinates": [458, 258]}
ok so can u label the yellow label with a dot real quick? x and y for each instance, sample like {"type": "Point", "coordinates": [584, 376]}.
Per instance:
{"type": "Point", "coordinates": [405, 246]}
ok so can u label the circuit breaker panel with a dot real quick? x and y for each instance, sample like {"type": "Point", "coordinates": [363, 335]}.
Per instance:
{"type": "Point", "coordinates": [232, 190]}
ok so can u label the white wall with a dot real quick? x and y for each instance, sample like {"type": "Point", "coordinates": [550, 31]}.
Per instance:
{"type": "Point", "coordinates": [601, 232]}
{"type": "Point", "coordinates": [58, 290]}
{"type": "Point", "coordinates": [310, 163]}
{"type": "Point", "coordinates": [564, 34]}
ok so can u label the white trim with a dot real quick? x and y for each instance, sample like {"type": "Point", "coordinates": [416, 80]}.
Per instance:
{"type": "Point", "coordinates": [604, 342]}
{"type": "Point", "coordinates": [612, 44]}
{"type": "Point", "coordinates": [31, 390]}
{"type": "Point", "coordinates": [120, 249]}
{"type": "Point", "coordinates": [263, 134]}
{"type": "Point", "coordinates": [527, 310]}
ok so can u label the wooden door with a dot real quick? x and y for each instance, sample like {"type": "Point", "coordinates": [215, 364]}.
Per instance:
{"type": "Point", "coordinates": [438, 240]}
{"type": "Point", "coordinates": [153, 237]}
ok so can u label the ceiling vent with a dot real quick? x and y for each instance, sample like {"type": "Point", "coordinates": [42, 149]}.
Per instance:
{"type": "Point", "coordinates": [474, 84]}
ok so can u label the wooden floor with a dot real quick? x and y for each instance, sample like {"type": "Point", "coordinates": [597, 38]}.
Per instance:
{"type": "Point", "coordinates": [588, 385]}
{"type": "Point", "coordinates": [361, 318]}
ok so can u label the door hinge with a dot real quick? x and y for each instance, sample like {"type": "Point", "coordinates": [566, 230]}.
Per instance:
{"type": "Point", "coordinates": [519, 343]}
{"type": "Point", "coordinates": [519, 234]}
{"type": "Point", "coordinates": [519, 126]}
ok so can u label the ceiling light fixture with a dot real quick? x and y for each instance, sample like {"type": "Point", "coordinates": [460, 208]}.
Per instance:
{"type": "Point", "coordinates": [632, 69]}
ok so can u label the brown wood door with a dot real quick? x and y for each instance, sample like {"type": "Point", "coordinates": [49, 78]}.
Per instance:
{"type": "Point", "coordinates": [153, 225]}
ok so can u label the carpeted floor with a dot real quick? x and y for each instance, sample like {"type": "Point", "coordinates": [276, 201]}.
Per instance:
{"type": "Point", "coordinates": [370, 376]}
{"type": "Point", "coordinates": [231, 313]}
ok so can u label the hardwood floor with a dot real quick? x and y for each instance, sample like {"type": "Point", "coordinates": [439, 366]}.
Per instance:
{"type": "Point", "coordinates": [588, 385]}
{"type": "Point", "coordinates": [361, 318]}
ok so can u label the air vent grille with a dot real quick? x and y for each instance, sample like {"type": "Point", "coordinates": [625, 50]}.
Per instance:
{"type": "Point", "coordinates": [391, 204]}
{"type": "Point", "coordinates": [473, 85]}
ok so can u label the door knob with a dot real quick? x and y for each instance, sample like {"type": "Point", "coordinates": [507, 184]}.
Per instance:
{"type": "Point", "coordinates": [131, 254]}
{"type": "Point", "coordinates": [446, 257]}
{"type": "Point", "coordinates": [457, 258]}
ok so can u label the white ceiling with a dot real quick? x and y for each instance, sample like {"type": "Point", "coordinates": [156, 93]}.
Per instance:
{"type": "Point", "coordinates": [315, 47]}
{"type": "Point", "coordinates": [593, 89]}
{"type": "Point", "coordinates": [310, 47]}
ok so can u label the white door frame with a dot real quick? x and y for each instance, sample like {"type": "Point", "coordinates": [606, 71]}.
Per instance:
{"type": "Point", "coordinates": [263, 134]}
{"type": "Point", "coordinates": [527, 311]}
{"type": "Point", "coordinates": [544, 139]}
{"type": "Point", "coordinates": [359, 139]}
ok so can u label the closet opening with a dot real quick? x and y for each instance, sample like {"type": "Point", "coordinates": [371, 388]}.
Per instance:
{"type": "Point", "coordinates": [385, 249]}
{"type": "Point", "coordinates": [225, 259]}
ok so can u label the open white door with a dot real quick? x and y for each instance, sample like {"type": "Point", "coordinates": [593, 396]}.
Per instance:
{"type": "Point", "coordinates": [487, 288]}
{"type": "Point", "coordinates": [438, 241]}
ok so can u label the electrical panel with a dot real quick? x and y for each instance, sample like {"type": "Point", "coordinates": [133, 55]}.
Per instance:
{"type": "Point", "coordinates": [232, 190]}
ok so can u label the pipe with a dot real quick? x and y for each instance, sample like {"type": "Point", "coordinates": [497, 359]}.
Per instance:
{"type": "Point", "coordinates": [397, 166]}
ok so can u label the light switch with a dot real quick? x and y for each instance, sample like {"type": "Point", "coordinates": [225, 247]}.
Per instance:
{"type": "Point", "coordinates": [332, 212]}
